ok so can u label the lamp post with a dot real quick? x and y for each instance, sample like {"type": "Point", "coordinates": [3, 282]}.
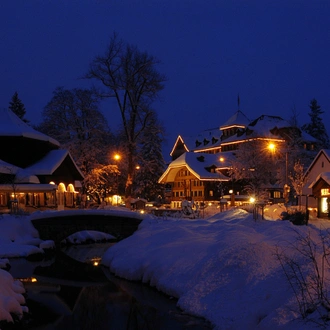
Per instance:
{"type": "Point", "coordinates": [117, 159]}
{"type": "Point", "coordinates": [286, 188]}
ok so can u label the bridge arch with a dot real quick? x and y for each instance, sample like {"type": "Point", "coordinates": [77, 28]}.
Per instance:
{"type": "Point", "coordinates": [62, 224]}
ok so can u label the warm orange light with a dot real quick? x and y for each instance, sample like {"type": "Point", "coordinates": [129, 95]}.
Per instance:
{"type": "Point", "coordinates": [221, 159]}
{"type": "Point", "coordinates": [116, 157]}
{"type": "Point", "coordinates": [137, 167]}
{"type": "Point", "coordinates": [271, 146]}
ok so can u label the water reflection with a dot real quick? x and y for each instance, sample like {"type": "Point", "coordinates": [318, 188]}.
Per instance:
{"type": "Point", "coordinates": [71, 293]}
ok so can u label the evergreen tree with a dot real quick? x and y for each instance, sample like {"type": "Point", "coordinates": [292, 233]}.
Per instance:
{"type": "Point", "coordinates": [17, 107]}
{"type": "Point", "coordinates": [150, 160]}
{"type": "Point", "coordinates": [316, 127]}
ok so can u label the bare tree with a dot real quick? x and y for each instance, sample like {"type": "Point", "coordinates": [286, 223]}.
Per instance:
{"type": "Point", "coordinates": [73, 118]}
{"type": "Point", "coordinates": [293, 120]}
{"type": "Point", "coordinates": [129, 76]}
{"type": "Point", "coordinates": [298, 179]}
{"type": "Point", "coordinates": [305, 264]}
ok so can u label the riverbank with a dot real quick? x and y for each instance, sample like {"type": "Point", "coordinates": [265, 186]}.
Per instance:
{"type": "Point", "coordinates": [223, 268]}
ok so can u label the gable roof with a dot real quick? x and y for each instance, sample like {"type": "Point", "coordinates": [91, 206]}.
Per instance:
{"type": "Point", "coordinates": [49, 164]}
{"type": "Point", "coordinates": [325, 176]}
{"type": "Point", "coordinates": [181, 140]}
{"type": "Point", "coordinates": [325, 152]}
{"type": "Point", "coordinates": [12, 125]}
{"type": "Point", "coordinates": [197, 164]}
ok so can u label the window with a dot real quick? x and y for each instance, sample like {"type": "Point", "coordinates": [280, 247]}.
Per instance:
{"type": "Point", "coordinates": [277, 194]}
{"type": "Point", "coordinates": [211, 193]}
{"type": "Point", "coordinates": [325, 192]}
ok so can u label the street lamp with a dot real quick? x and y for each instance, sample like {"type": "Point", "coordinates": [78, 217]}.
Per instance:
{"type": "Point", "coordinates": [117, 157]}
{"type": "Point", "coordinates": [286, 189]}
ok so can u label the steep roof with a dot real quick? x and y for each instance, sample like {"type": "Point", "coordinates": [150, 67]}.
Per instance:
{"type": "Point", "coordinates": [12, 125]}
{"type": "Point", "coordinates": [48, 164]}
{"type": "Point", "coordinates": [198, 164]}
{"type": "Point", "coordinates": [325, 152]}
{"type": "Point", "coordinates": [237, 119]}
{"type": "Point", "coordinates": [323, 176]}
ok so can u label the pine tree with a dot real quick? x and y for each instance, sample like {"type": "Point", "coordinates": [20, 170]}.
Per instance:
{"type": "Point", "coordinates": [316, 127]}
{"type": "Point", "coordinates": [151, 161]}
{"type": "Point", "coordinates": [17, 106]}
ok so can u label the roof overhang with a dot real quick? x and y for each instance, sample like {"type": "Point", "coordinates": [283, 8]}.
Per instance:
{"type": "Point", "coordinates": [28, 187]}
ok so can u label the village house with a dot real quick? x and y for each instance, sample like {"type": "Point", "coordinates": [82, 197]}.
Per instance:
{"type": "Point", "coordinates": [200, 165]}
{"type": "Point", "coordinates": [34, 171]}
{"type": "Point", "coordinates": [316, 191]}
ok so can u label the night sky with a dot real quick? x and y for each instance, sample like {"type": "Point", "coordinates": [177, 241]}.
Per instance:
{"type": "Point", "coordinates": [274, 54]}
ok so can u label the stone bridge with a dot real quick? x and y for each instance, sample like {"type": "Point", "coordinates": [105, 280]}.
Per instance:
{"type": "Point", "coordinates": [57, 225]}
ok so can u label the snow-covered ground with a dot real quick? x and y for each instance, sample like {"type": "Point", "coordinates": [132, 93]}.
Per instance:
{"type": "Point", "coordinates": [222, 267]}
{"type": "Point", "coordinates": [18, 238]}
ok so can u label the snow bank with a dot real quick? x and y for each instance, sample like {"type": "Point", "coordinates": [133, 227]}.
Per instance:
{"type": "Point", "coordinates": [222, 268]}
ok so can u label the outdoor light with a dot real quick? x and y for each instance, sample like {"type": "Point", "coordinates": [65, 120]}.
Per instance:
{"type": "Point", "coordinates": [231, 191]}
{"type": "Point", "coordinates": [252, 199]}
{"type": "Point", "coordinates": [271, 147]}
{"type": "Point", "coordinates": [221, 159]}
{"type": "Point", "coordinates": [116, 156]}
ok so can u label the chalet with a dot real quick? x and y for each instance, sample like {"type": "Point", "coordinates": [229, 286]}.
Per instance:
{"type": "Point", "coordinates": [316, 191]}
{"type": "Point", "coordinates": [200, 165]}
{"type": "Point", "coordinates": [34, 171]}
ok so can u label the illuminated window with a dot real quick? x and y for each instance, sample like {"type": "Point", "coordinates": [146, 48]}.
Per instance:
{"type": "Point", "coordinates": [325, 191]}
{"type": "Point", "coordinates": [211, 193]}
{"type": "Point", "coordinates": [277, 194]}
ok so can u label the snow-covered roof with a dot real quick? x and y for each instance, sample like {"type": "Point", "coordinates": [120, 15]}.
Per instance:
{"type": "Point", "coordinates": [49, 164]}
{"type": "Point", "coordinates": [6, 168]}
{"type": "Point", "coordinates": [12, 125]}
{"type": "Point", "coordinates": [324, 175]}
{"type": "Point", "coordinates": [325, 152]}
{"type": "Point", "coordinates": [197, 164]}
{"type": "Point", "coordinates": [21, 175]}
{"type": "Point", "coordinates": [237, 119]}
{"type": "Point", "coordinates": [263, 125]}
{"type": "Point", "coordinates": [28, 187]}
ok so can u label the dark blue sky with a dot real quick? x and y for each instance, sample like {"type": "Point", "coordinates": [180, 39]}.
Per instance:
{"type": "Point", "coordinates": [275, 54]}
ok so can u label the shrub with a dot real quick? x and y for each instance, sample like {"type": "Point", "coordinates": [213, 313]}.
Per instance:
{"type": "Point", "coordinates": [306, 268]}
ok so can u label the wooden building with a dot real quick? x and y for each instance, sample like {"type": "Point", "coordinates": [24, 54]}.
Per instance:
{"type": "Point", "coordinates": [200, 165]}
{"type": "Point", "coordinates": [34, 171]}
{"type": "Point", "coordinates": [316, 191]}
